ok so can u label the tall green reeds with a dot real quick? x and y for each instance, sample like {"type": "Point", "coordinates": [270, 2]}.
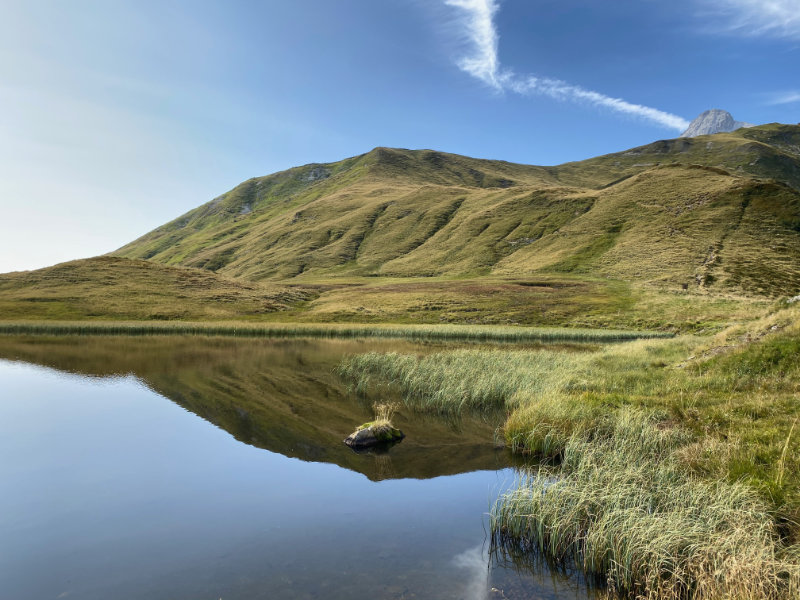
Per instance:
{"type": "Point", "coordinates": [448, 382]}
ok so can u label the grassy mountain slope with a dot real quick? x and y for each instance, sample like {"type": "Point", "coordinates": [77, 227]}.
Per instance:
{"type": "Point", "coordinates": [118, 288]}
{"type": "Point", "coordinates": [682, 234]}
{"type": "Point", "coordinates": [695, 226]}
{"type": "Point", "coordinates": [648, 214]}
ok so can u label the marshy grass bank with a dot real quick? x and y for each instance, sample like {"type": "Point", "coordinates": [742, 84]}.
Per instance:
{"type": "Point", "coordinates": [477, 333]}
{"type": "Point", "coordinates": [621, 506]}
{"type": "Point", "coordinates": [670, 466]}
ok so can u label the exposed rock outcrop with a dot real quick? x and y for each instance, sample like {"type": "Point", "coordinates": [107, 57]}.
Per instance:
{"type": "Point", "coordinates": [713, 121]}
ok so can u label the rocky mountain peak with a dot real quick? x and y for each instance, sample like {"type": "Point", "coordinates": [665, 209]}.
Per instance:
{"type": "Point", "coordinates": [713, 121]}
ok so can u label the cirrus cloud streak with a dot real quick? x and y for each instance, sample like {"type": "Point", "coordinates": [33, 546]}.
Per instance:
{"type": "Point", "coordinates": [785, 98]}
{"type": "Point", "coordinates": [776, 18]}
{"type": "Point", "coordinates": [482, 62]}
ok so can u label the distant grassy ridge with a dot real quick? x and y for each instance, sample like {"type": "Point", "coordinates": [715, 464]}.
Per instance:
{"type": "Point", "coordinates": [484, 333]}
{"type": "Point", "coordinates": [118, 289]}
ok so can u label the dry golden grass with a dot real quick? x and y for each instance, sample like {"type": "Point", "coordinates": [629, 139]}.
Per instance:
{"type": "Point", "coordinates": [679, 212]}
{"type": "Point", "coordinates": [110, 288]}
{"type": "Point", "coordinates": [384, 411]}
{"type": "Point", "coordinates": [113, 289]}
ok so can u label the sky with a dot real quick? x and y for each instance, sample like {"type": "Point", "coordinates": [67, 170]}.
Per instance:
{"type": "Point", "coordinates": [117, 116]}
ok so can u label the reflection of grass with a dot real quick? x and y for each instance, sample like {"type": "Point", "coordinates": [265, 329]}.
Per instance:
{"type": "Point", "coordinates": [676, 470]}
{"type": "Point", "coordinates": [384, 469]}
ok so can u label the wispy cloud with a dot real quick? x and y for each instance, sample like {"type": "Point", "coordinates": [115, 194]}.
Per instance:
{"type": "Point", "coordinates": [785, 98]}
{"type": "Point", "coordinates": [779, 18]}
{"type": "Point", "coordinates": [560, 90]}
{"type": "Point", "coordinates": [482, 62]}
{"type": "Point", "coordinates": [481, 34]}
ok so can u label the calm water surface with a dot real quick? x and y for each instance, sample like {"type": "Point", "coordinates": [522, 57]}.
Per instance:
{"type": "Point", "coordinates": [206, 469]}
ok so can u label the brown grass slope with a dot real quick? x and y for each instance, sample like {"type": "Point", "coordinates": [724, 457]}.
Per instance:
{"type": "Point", "coordinates": [680, 225]}
{"type": "Point", "coordinates": [117, 288]}
{"type": "Point", "coordinates": [648, 214]}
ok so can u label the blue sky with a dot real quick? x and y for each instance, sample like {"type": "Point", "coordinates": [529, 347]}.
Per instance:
{"type": "Point", "coordinates": [117, 116]}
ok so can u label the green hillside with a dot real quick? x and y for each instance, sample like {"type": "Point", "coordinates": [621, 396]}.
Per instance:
{"type": "Point", "coordinates": [684, 234]}
{"type": "Point", "coordinates": [715, 212]}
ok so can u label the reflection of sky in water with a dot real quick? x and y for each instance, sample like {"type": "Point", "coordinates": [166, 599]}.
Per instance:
{"type": "Point", "coordinates": [475, 562]}
{"type": "Point", "coordinates": [111, 491]}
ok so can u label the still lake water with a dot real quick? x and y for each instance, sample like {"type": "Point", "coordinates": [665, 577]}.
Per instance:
{"type": "Point", "coordinates": [193, 468]}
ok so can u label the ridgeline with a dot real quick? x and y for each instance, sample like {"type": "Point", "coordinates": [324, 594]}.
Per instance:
{"type": "Point", "coordinates": [680, 234]}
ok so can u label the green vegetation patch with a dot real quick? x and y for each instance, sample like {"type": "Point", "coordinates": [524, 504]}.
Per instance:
{"type": "Point", "coordinates": [620, 506]}
{"type": "Point", "coordinates": [672, 467]}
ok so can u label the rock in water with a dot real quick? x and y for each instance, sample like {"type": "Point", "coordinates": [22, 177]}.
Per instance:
{"type": "Point", "coordinates": [369, 435]}
{"type": "Point", "coordinates": [713, 121]}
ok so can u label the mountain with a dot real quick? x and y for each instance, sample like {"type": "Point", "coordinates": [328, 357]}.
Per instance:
{"type": "Point", "coordinates": [721, 212]}
{"type": "Point", "coordinates": [713, 121]}
{"type": "Point", "coordinates": [686, 234]}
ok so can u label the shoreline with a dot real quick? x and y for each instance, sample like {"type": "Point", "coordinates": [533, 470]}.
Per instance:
{"type": "Point", "coordinates": [444, 332]}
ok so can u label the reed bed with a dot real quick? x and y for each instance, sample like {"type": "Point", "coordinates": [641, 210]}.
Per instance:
{"type": "Point", "coordinates": [615, 497]}
{"type": "Point", "coordinates": [471, 379]}
{"type": "Point", "coordinates": [454, 381]}
{"type": "Point", "coordinates": [621, 508]}
{"type": "Point", "coordinates": [413, 332]}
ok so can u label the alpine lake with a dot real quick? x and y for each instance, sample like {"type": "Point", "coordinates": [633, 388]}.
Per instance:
{"type": "Point", "coordinates": [183, 467]}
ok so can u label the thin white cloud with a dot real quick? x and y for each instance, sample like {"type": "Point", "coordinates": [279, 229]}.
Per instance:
{"type": "Point", "coordinates": [785, 98]}
{"type": "Point", "coordinates": [482, 36]}
{"type": "Point", "coordinates": [779, 18]}
{"type": "Point", "coordinates": [560, 90]}
{"type": "Point", "coordinates": [477, 18]}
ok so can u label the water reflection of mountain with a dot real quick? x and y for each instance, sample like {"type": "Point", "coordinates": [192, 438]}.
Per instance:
{"type": "Point", "coordinates": [280, 395]}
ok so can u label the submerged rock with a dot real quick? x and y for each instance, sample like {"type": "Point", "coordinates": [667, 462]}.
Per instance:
{"type": "Point", "coordinates": [369, 435]}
